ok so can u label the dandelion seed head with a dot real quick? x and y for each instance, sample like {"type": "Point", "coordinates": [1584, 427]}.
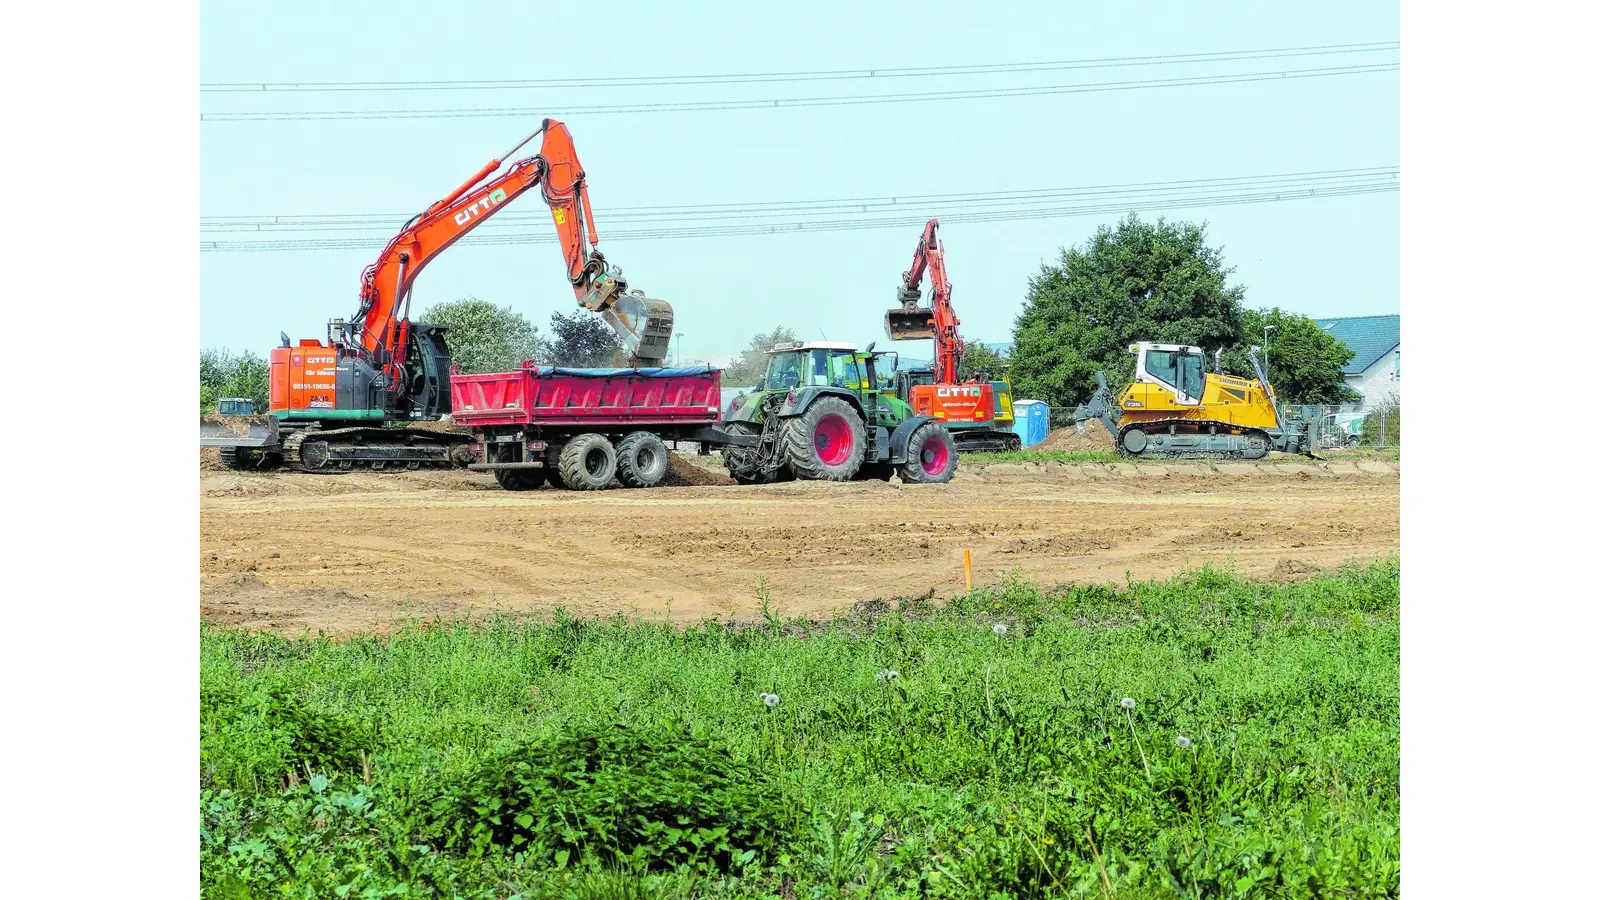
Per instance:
{"type": "Point", "coordinates": [1127, 703]}
{"type": "Point", "coordinates": [887, 675]}
{"type": "Point", "coordinates": [999, 629]}
{"type": "Point", "coordinates": [771, 700]}
{"type": "Point", "coordinates": [1183, 741]}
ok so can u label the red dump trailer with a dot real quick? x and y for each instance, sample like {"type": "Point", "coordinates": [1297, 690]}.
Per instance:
{"type": "Point", "coordinates": [582, 428]}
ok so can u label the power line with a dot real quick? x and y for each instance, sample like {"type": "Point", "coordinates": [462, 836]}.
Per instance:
{"type": "Point", "coordinates": [800, 209]}
{"type": "Point", "coordinates": [780, 77]}
{"type": "Point", "coordinates": [789, 102]}
{"type": "Point", "coordinates": [1188, 201]}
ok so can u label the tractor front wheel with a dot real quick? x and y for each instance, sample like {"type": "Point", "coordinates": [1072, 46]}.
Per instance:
{"type": "Point", "coordinates": [588, 463]}
{"type": "Point", "coordinates": [825, 443]}
{"type": "Point", "coordinates": [930, 456]}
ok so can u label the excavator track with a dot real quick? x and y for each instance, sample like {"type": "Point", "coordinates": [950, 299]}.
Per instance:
{"type": "Point", "coordinates": [330, 451]}
{"type": "Point", "coordinates": [1197, 427]}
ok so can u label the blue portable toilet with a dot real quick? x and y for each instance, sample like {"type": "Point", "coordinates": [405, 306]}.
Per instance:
{"type": "Point", "coordinates": [1033, 421]}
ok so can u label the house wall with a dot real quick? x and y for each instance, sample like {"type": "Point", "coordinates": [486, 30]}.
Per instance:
{"type": "Point", "coordinates": [1378, 383]}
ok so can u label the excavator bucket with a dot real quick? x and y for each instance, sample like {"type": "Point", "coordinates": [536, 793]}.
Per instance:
{"type": "Point", "coordinates": [903, 324]}
{"type": "Point", "coordinates": [643, 325]}
{"type": "Point", "coordinates": [238, 431]}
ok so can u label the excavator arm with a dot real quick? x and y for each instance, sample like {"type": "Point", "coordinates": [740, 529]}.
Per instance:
{"type": "Point", "coordinates": [381, 327]}
{"type": "Point", "coordinates": [938, 321]}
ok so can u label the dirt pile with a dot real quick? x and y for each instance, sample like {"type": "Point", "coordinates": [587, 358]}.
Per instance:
{"type": "Point", "coordinates": [1094, 437]}
{"type": "Point", "coordinates": [211, 460]}
{"type": "Point", "coordinates": [683, 473]}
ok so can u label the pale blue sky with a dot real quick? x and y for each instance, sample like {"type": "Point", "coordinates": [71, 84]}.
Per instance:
{"type": "Point", "coordinates": [1326, 257]}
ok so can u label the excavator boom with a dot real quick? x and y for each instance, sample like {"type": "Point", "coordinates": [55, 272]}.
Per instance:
{"type": "Point", "coordinates": [381, 326]}
{"type": "Point", "coordinates": [938, 321]}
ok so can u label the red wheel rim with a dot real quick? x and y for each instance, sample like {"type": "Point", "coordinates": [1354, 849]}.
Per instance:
{"type": "Point", "coordinates": [935, 456]}
{"type": "Point", "coordinates": [833, 440]}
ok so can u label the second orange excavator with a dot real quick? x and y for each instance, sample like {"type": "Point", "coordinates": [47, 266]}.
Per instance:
{"type": "Point", "coordinates": [977, 411]}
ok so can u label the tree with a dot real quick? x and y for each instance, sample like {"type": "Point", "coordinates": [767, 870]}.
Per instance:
{"type": "Point", "coordinates": [224, 373]}
{"type": "Point", "coordinates": [1137, 282]}
{"type": "Point", "coordinates": [979, 358]}
{"type": "Point", "coordinates": [582, 340]}
{"type": "Point", "coordinates": [486, 338]}
{"type": "Point", "coordinates": [752, 363]}
{"type": "Point", "coordinates": [1306, 364]}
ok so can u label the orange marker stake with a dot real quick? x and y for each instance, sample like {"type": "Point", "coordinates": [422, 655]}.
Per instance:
{"type": "Point", "coordinates": [966, 559]}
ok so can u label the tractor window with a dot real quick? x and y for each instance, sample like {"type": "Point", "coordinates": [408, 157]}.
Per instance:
{"type": "Point", "coordinates": [1192, 374]}
{"type": "Point", "coordinates": [817, 369]}
{"type": "Point", "coordinates": [783, 372]}
{"type": "Point", "coordinates": [1163, 365]}
{"type": "Point", "coordinates": [845, 373]}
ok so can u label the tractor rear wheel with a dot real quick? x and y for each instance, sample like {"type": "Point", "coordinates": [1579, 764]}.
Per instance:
{"type": "Point", "coordinates": [641, 460]}
{"type": "Point", "coordinates": [588, 463]}
{"type": "Point", "coordinates": [520, 479]}
{"type": "Point", "coordinates": [825, 443]}
{"type": "Point", "coordinates": [930, 456]}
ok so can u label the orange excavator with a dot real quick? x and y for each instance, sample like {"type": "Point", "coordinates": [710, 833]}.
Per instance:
{"type": "Point", "coordinates": [342, 403]}
{"type": "Point", "coordinates": [976, 411]}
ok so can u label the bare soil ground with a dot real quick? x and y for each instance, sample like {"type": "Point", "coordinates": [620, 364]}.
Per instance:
{"type": "Point", "coordinates": [365, 552]}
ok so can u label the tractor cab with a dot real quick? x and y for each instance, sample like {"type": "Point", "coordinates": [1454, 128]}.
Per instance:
{"type": "Point", "coordinates": [799, 364]}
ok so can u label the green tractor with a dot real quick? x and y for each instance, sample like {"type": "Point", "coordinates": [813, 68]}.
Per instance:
{"type": "Point", "coordinates": [822, 414]}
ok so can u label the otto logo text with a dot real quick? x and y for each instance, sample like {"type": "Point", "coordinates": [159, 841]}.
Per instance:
{"type": "Point", "coordinates": [481, 207]}
{"type": "Point", "coordinates": [960, 392]}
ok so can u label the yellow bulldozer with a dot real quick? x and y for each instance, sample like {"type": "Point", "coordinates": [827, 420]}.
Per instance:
{"type": "Point", "coordinates": [1175, 409]}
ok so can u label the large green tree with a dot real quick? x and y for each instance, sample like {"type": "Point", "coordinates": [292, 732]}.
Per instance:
{"type": "Point", "coordinates": [484, 337]}
{"type": "Point", "coordinates": [980, 358]}
{"type": "Point", "coordinates": [1139, 281]}
{"type": "Point", "coordinates": [752, 362]}
{"type": "Point", "coordinates": [224, 373]}
{"type": "Point", "coordinates": [1305, 363]}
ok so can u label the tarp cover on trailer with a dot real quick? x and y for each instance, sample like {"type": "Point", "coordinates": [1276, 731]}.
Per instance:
{"type": "Point", "coordinates": [608, 373]}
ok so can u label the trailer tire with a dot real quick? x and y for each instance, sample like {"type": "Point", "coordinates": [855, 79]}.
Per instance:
{"type": "Point", "coordinates": [930, 456]}
{"type": "Point", "coordinates": [642, 460]}
{"type": "Point", "coordinates": [520, 479]}
{"type": "Point", "coordinates": [588, 463]}
{"type": "Point", "coordinates": [825, 443]}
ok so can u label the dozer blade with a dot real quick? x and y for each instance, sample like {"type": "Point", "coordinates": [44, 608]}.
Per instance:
{"type": "Point", "coordinates": [238, 431]}
{"type": "Point", "coordinates": [908, 324]}
{"type": "Point", "coordinates": [643, 325]}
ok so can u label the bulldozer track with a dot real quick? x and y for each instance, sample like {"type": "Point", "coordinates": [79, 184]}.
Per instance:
{"type": "Point", "coordinates": [293, 450]}
{"type": "Point", "coordinates": [1151, 427]}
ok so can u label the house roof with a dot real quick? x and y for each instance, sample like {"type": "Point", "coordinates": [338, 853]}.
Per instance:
{"type": "Point", "coordinates": [1371, 337]}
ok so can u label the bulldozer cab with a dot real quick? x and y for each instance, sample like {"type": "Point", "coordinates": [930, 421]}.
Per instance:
{"type": "Point", "coordinates": [1178, 367]}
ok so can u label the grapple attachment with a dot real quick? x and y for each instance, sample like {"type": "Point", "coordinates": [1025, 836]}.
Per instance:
{"type": "Point", "coordinates": [643, 325]}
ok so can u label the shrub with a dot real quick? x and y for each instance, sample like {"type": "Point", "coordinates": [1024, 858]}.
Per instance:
{"type": "Point", "coordinates": [656, 799]}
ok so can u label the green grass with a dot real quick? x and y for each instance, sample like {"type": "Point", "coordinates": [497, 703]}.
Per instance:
{"type": "Point", "coordinates": [617, 759]}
